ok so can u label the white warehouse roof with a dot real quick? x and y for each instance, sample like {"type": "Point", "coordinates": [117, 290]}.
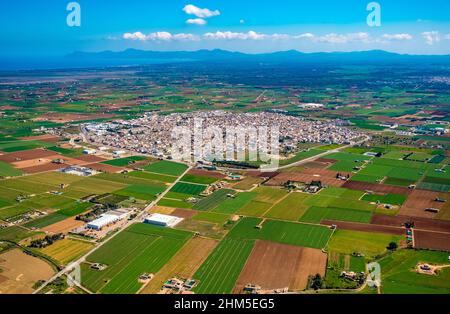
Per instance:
{"type": "Point", "coordinates": [163, 220]}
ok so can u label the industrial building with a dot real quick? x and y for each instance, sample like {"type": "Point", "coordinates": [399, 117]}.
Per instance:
{"type": "Point", "coordinates": [107, 218]}
{"type": "Point", "coordinates": [162, 220]}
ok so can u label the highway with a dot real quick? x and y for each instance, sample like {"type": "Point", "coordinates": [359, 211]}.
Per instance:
{"type": "Point", "coordinates": [138, 218]}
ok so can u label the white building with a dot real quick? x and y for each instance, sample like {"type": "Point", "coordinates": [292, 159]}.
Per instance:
{"type": "Point", "coordinates": [162, 220]}
{"type": "Point", "coordinates": [89, 152]}
{"type": "Point", "coordinates": [79, 171]}
{"type": "Point", "coordinates": [106, 219]}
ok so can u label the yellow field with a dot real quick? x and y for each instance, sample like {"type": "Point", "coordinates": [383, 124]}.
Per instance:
{"type": "Point", "coordinates": [184, 264]}
{"type": "Point", "coordinates": [65, 251]}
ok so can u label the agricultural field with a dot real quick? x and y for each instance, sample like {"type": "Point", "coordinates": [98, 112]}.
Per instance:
{"type": "Point", "coordinates": [212, 201]}
{"type": "Point", "coordinates": [218, 274]}
{"type": "Point", "coordinates": [166, 167]}
{"type": "Point", "coordinates": [367, 243]}
{"type": "Point", "coordinates": [399, 273]}
{"type": "Point", "coordinates": [67, 250]}
{"type": "Point", "coordinates": [123, 162]}
{"type": "Point", "coordinates": [306, 235]}
{"type": "Point", "coordinates": [139, 249]}
{"type": "Point", "coordinates": [232, 205]}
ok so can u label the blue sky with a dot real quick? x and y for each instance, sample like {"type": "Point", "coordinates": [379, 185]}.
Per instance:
{"type": "Point", "coordinates": [30, 27]}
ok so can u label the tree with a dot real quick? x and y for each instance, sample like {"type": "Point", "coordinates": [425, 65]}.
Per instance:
{"type": "Point", "coordinates": [316, 282]}
{"type": "Point", "coordinates": [392, 246]}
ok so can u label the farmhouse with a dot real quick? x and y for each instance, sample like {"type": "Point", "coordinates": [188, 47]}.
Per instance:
{"type": "Point", "coordinates": [108, 218]}
{"type": "Point", "coordinates": [162, 220]}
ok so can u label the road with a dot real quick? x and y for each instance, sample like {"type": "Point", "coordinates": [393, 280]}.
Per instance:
{"type": "Point", "coordinates": [138, 218]}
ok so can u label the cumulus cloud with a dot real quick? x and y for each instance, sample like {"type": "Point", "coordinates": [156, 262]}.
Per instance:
{"type": "Point", "coordinates": [431, 37]}
{"type": "Point", "coordinates": [159, 36]}
{"type": "Point", "coordinates": [197, 21]}
{"type": "Point", "coordinates": [334, 38]}
{"type": "Point", "coordinates": [234, 35]}
{"type": "Point", "coordinates": [397, 36]}
{"type": "Point", "coordinates": [198, 12]}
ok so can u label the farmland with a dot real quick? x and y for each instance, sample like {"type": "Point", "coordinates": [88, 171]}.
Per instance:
{"type": "Point", "coordinates": [139, 249]}
{"type": "Point", "coordinates": [220, 271]}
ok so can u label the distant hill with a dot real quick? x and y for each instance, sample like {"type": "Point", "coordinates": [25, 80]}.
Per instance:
{"type": "Point", "coordinates": [290, 56]}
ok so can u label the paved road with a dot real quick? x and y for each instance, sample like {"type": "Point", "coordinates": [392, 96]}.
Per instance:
{"type": "Point", "coordinates": [138, 218]}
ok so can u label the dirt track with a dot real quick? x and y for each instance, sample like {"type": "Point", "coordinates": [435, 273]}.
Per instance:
{"type": "Point", "coordinates": [273, 265]}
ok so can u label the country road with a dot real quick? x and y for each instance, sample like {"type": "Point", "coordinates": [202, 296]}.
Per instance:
{"type": "Point", "coordinates": [138, 218]}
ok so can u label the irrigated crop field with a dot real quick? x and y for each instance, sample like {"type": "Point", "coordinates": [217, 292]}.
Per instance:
{"type": "Point", "coordinates": [140, 249]}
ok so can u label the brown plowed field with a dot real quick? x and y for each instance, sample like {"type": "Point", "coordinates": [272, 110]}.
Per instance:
{"type": "Point", "coordinates": [184, 213]}
{"type": "Point", "coordinates": [432, 240]}
{"type": "Point", "coordinates": [71, 117]}
{"type": "Point", "coordinates": [378, 188]}
{"type": "Point", "coordinates": [64, 226]}
{"type": "Point", "coordinates": [43, 168]}
{"type": "Point", "coordinates": [104, 168]}
{"type": "Point", "coordinates": [184, 264]}
{"type": "Point", "coordinates": [44, 138]}
{"type": "Point", "coordinates": [206, 173]}
{"type": "Point", "coordinates": [419, 222]}
{"type": "Point", "coordinates": [21, 271]}
{"type": "Point", "coordinates": [273, 265]}
{"type": "Point", "coordinates": [364, 227]}
{"type": "Point", "coordinates": [418, 201]}
{"type": "Point", "coordinates": [27, 155]}
{"type": "Point", "coordinates": [34, 162]}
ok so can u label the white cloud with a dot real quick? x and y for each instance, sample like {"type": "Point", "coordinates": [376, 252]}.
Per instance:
{"type": "Point", "coordinates": [159, 36]}
{"type": "Point", "coordinates": [134, 36]}
{"type": "Point", "coordinates": [334, 38]}
{"type": "Point", "coordinates": [198, 12]}
{"type": "Point", "coordinates": [305, 35]}
{"type": "Point", "coordinates": [431, 37]}
{"type": "Point", "coordinates": [233, 35]}
{"type": "Point", "coordinates": [197, 21]}
{"type": "Point", "coordinates": [397, 37]}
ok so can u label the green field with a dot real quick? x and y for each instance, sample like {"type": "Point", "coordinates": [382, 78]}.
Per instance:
{"type": "Point", "coordinates": [283, 232]}
{"type": "Point", "coordinates": [152, 176]}
{"type": "Point", "coordinates": [142, 192]}
{"type": "Point", "coordinates": [367, 243]}
{"type": "Point", "coordinates": [174, 203]}
{"type": "Point", "coordinates": [166, 167]}
{"type": "Point", "coordinates": [213, 200]}
{"type": "Point", "coordinates": [189, 178]}
{"type": "Point", "coordinates": [290, 208]}
{"type": "Point", "coordinates": [300, 156]}
{"type": "Point", "coordinates": [212, 217]}
{"type": "Point", "coordinates": [317, 214]}
{"type": "Point", "coordinates": [6, 170]}
{"type": "Point", "coordinates": [393, 199]}
{"type": "Point", "coordinates": [399, 277]}
{"type": "Point", "coordinates": [122, 162]}
{"type": "Point", "coordinates": [218, 274]}
{"type": "Point", "coordinates": [139, 249]}
{"type": "Point", "coordinates": [188, 188]}
{"type": "Point", "coordinates": [232, 205]}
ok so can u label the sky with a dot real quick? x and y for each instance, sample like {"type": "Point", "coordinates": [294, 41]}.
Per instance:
{"type": "Point", "coordinates": [40, 28]}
